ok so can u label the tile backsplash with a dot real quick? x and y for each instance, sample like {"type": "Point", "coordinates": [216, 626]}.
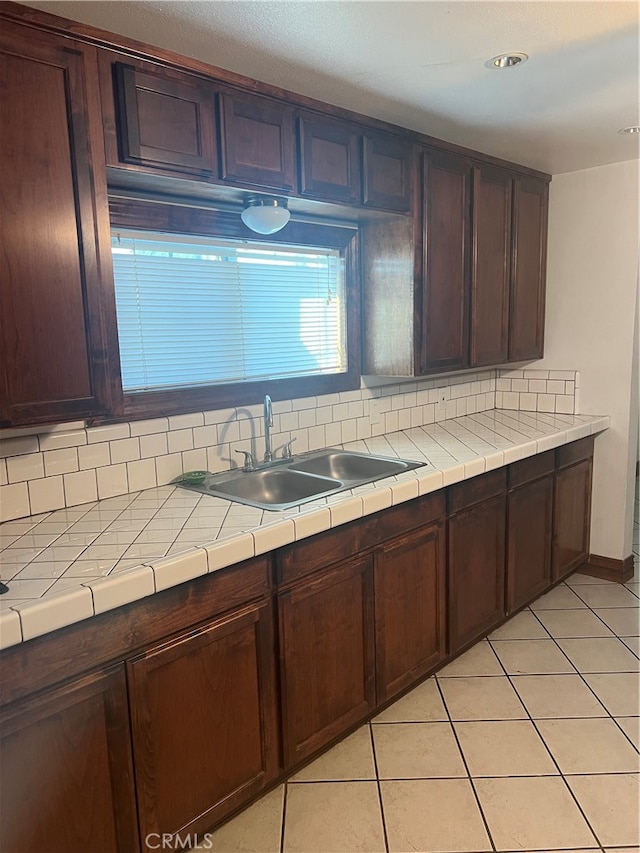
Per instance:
{"type": "Point", "coordinates": [64, 468]}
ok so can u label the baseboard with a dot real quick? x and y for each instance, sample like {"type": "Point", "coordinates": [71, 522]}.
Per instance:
{"type": "Point", "coordinates": [608, 569]}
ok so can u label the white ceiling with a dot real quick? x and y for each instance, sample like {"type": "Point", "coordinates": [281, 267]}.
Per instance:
{"type": "Point", "coordinates": [421, 64]}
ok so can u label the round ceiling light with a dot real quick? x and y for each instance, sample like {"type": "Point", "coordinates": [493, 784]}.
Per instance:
{"type": "Point", "coordinates": [634, 128]}
{"type": "Point", "coordinates": [265, 214]}
{"type": "Point", "coordinates": [507, 60]}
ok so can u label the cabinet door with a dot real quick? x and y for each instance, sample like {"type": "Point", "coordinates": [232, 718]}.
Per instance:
{"type": "Point", "coordinates": [327, 658]}
{"type": "Point", "coordinates": [447, 244]}
{"type": "Point", "coordinates": [491, 266]}
{"type": "Point", "coordinates": [529, 262]}
{"type": "Point", "coordinates": [529, 532]}
{"type": "Point", "coordinates": [257, 142]}
{"type": "Point", "coordinates": [409, 609]}
{"type": "Point", "coordinates": [204, 724]}
{"type": "Point", "coordinates": [387, 173]}
{"type": "Point", "coordinates": [571, 518]}
{"type": "Point", "coordinates": [57, 308]}
{"type": "Point", "coordinates": [329, 161]}
{"type": "Point", "coordinates": [165, 119]}
{"type": "Point", "coordinates": [476, 539]}
{"type": "Point", "coordinates": [66, 778]}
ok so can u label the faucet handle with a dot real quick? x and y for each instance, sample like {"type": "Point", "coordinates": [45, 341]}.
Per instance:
{"type": "Point", "coordinates": [248, 460]}
{"type": "Point", "coordinates": [286, 450]}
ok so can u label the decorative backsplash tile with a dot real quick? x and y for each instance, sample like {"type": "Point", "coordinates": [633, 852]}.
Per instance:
{"type": "Point", "coordinates": [66, 468]}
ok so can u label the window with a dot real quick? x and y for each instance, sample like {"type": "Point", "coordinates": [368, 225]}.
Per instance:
{"type": "Point", "coordinates": [206, 321]}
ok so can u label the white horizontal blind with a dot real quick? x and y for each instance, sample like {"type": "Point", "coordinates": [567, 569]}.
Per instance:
{"type": "Point", "coordinates": [196, 310]}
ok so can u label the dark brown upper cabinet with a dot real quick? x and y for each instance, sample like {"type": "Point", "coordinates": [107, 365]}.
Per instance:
{"type": "Point", "coordinates": [164, 119]}
{"type": "Point", "coordinates": [447, 241]}
{"type": "Point", "coordinates": [329, 160]}
{"type": "Point", "coordinates": [528, 269]}
{"type": "Point", "coordinates": [387, 172]}
{"type": "Point", "coordinates": [57, 311]}
{"type": "Point", "coordinates": [257, 142]}
{"type": "Point", "coordinates": [491, 266]}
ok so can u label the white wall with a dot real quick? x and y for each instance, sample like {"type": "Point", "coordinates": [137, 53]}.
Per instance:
{"type": "Point", "coordinates": [592, 280]}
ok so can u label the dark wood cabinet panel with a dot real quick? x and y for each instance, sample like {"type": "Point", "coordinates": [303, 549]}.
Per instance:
{"type": "Point", "coordinates": [163, 119]}
{"type": "Point", "coordinates": [572, 518]}
{"type": "Point", "coordinates": [529, 532]}
{"type": "Point", "coordinates": [491, 266]}
{"type": "Point", "coordinates": [387, 172]}
{"type": "Point", "coordinates": [528, 271]}
{"type": "Point", "coordinates": [66, 777]}
{"type": "Point", "coordinates": [410, 608]}
{"type": "Point", "coordinates": [203, 709]}
{"type": "Point", "coordinates": [257, 139]}
{"type": "Point", "coordinates": [329, 160]}
{"type": "Point", "coordinates": [447, 245]}
{"type": "Point", "coordinates": [57, 311]}
{"type": "Point", "coordinates": [476, 555]}
{"type": "Point", "coordinates": [327, 657]}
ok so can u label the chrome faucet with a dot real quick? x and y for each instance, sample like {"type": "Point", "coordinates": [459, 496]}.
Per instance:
{"type": "Point", "coordinates": [268, 423]}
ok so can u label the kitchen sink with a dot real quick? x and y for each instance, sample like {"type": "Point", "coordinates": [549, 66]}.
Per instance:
{"type": "Point", "coordinates": [286, 483]}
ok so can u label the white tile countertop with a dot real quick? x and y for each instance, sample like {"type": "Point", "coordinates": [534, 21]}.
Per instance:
{"type": "Point", "coordinates": [65, 566]}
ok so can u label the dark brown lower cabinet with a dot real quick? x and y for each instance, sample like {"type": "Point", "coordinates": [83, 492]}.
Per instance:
{"type": "Point", "coordinates": [203, 714]}
{"type": "Point", "coordinates": [327, 656]}
{"type": "Point", "coordinates": [410, 615]}
{"type": "Point", "coordinates": [66, 775]}
{"type": "Point", "coordinates": [572, 518]}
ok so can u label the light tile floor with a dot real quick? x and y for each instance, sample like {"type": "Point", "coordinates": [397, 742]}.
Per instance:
{"type": "Point", "coordinates": [528, 742]}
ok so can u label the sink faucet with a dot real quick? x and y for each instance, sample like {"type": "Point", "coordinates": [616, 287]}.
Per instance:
{"type": "Point", "coordinates": [268, 423]}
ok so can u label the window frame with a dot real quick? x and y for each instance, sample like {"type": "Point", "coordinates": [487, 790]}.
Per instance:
{"type": "Point", "coordinates": [182, 218]}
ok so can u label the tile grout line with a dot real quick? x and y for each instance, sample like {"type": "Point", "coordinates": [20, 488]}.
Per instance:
{"type": "Point", "coordinates": [283, 817]}
{"type": "Point", "coordinates": [379, 787]}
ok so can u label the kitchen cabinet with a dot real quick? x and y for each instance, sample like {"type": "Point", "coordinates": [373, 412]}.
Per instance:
{"type": "Point", "coordinates": [257, 142]}
{"type": "Point", "coordinates": [329, 159]}
{"type": "Point", "coordinates": [203, 708]}
{"type": "Point", "coordinates": [476, 557]}
{"type": "Point", "coordinates": [158, 118]}
{"type": "Point", "coordinates": [59, 348]}
{"type": "Point", "coordinates": [66, 775]}
{"type": "Point", "coordinates": [387, 172]}
{"type": "Point", "coordinates": [529, 529]}
{"type": "Point", "coordinates": [572, 507]}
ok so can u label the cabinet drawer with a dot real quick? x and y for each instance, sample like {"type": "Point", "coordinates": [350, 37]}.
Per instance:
{"type": "Point", "coordinates": [477, 489]}
{"type": "Point", "coordinates": [530, 469]}
{"type": "Point", "coordinates": [574, 452]}
{"type": "Point", "coordinates": [325, 549]}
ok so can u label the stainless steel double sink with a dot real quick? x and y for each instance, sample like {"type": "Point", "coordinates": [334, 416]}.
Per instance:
{"type": "Point", "coordinates": [287, 483]}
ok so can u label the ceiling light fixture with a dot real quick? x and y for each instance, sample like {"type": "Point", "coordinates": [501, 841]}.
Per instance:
{"type": "Point", "coordinates": [634, 128]}
{"type": "Point", "coordinates": [507, 60]}
{"type": "Point", "coordinates": [265, 214]}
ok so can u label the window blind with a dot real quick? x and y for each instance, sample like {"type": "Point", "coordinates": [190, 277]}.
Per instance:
{"type": "Point", "coordinates": [197, 310]}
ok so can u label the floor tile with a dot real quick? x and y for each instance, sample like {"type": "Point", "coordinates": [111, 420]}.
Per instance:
{"type": "Point", "coordinates": [611, 595]}
{"type": "Point", "coordinates": [433, 814]}
{"type": "Point", "coordinates": [618, 692]}
{"type": "Point", "coordinates": [532, 813]}
{"type": "Point", "coordinates": [522, 626]}
{"type": "Point", "coordinates": [505, 748]}
{"type": "Point", "coordinates": [481, 699]}
{"type": "Point", "coordinates": [417, 751]}
{"type": "Point", "coordinates": [479, 660]}
{"type": "Point", "coordinates": [623, 621]}
{"type": "Point", "coordinates": [573, 623]}
{"type": "Point", "coordinates": [605, 654]}
{"type": "Point", "coordinates": [560, 598]}
{"type": "Point", "coordinates": [422, 704]}
{"type": "Point", "coordinates": [351, 759]}
{"type": "Point", "coordinates": [631, 727]}
{"type": "Point", "coordinates": [322, 816]}
{"type": "Point", "coordinates": [520, 657]}
{"type": "Point", "coordinates": [632, 643]}
{"type": "Point", "coordinates": [258, 829]}
{"type": "Point", "coordinates": [589, 746]}
{"type": "Point", "coordinates": [557, 696]}
{"type": "Point", "coordinates": [611, 806]}
{"type": "Point", "coordinates": [578, 579]}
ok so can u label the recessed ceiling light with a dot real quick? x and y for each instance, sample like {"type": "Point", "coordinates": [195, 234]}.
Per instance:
{"type": "Point", "coordinates": [507, 60]}
{"type": "Point", "coordinates": [634, 128]}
